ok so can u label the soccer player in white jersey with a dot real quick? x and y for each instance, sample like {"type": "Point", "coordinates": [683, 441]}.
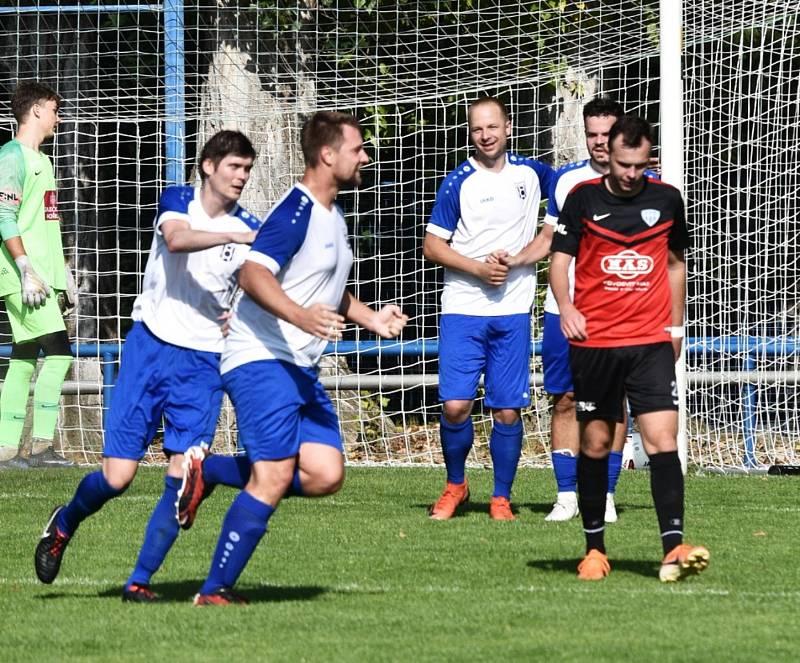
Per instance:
{"type": "Point", "coordinates": [598, 117]}
{"type": "Point", "coordinates": [170, 362]}
{"type": "Point", "coordinates": [294, 302]}
{"type": "Point", "coordinates": [483, 231]}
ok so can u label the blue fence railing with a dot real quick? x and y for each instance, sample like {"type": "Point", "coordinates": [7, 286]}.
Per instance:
{"type": "Point", "coordinates": [748, 349]}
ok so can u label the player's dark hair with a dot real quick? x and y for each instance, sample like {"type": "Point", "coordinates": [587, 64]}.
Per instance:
{"type": "Point", "coordinates": [603, 107]}
{"type": "Point", "coordinates": [633, 129]}
{"type": "Point", "coordinates": [489, 100]}
{"type": "Point", "coordinates": [324, 128]}
{"type": "Point", "coordinates": [223, 143]}
{"type": "Point", "coordinates": [28, 94]}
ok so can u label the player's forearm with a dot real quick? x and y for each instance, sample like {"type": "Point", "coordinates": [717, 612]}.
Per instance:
{"type": "Point", "coordinates": [262, 286]}
{"type": "Point", "coordinates": [187, 240]}
{"type": "Point", "coordinates": [15, 247]}
{"type": "Point", "coordinates": [357, 311]}
{"type": "Point", "coordinates": [559, 278]}
{"type": "Point", "coordinates": [676, 272]}
{"type": "Point", "coordinates": [536, 250]}
{"type": "Point", "coordinates": [439, 251]}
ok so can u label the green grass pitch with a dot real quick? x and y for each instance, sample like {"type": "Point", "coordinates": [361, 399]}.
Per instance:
{"type": "Point", "coordinates": [365, 576]}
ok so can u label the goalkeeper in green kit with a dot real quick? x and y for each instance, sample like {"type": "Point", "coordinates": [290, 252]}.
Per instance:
{"type": "Point", "coordinates": [32, 274]}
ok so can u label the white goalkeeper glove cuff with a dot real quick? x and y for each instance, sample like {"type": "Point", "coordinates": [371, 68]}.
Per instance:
{"type": "Point", "coordinates": [34, 288]}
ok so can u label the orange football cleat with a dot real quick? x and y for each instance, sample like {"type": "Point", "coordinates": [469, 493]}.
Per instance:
{"type": "Point", "coordinates": [500, 509]}
{"type": "Point", "coordinates": [453, 496]}
{"type": "Point", "coordinates": [594, 566]}
{"type": "Point", "coordinates": [683, 561]}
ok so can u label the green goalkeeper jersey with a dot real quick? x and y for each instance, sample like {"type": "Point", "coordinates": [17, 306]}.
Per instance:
{"type": "Point", "coordinates": [28, 199]}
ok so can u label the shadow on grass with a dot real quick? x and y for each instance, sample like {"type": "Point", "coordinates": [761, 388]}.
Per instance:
{"type": "Point", "coordinates": [647, 569]}
{"type": "Point", "coordinates": [181, 592]}
{"type": "Point", "coordinates": [546, 507]}
{"type": "Point", "coordinates": [469, 507]}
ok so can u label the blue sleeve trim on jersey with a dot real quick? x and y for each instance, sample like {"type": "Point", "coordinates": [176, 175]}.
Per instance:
{"type": "Point", "coordinates": [447, 208]}
{"type": "Point", "coordinates": [284, 230]}
{"type": "Point", "coordinates": [175, 199]}
{"type": "Point", "coordinates": [545, 174]}
{"type": "Point", "coordinates": [252, 222]}
{"type": "Point", "coordinates": [173, 204]}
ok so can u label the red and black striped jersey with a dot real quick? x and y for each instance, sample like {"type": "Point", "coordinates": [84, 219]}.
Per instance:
{"type": "Point", "coordinates": [621, 246]}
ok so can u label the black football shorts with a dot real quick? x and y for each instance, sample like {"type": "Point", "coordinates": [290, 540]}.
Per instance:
{"type": "Point", "coordinates": [604, 377]}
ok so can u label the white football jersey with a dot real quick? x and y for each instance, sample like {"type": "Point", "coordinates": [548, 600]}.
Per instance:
{"type": "Point", "coordinates": [480, 211]}
{"type": "Point", "coordinates": [567, 178]}
{"type": "Point", "coordinates": [183, 294]}
{"type": "Point", "coordinates": [304, 244]}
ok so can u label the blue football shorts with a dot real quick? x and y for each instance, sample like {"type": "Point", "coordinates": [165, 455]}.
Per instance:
{"type": "Point", "coordinates": [555, 356]}
{"type": "Point", "coordinates": [279, 406]}
{"type": "Point", "coordinates": [160, 379]}
{"type": "Point", "coordinates": [497, 346]}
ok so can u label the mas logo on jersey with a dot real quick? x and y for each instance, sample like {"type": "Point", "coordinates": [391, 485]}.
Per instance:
{"type": "Point", "coordinates": [627, 264]}
{"type": "Point", "coordinates": [650, 216]}
{"type": "Point", "coordinates": [523, 194]}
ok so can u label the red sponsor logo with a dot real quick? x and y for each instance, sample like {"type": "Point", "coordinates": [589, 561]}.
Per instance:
{"type": "Point", "coordinates": [627, 264]}
{"type": "Point", "coordinates": [50, 206]}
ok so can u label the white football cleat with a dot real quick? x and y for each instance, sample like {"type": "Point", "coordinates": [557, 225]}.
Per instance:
{"type": "Point", "coordinates": [565, 508]}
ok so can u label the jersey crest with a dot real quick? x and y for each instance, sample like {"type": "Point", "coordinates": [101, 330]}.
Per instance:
{"type": "Point", "coordinates": [649, 216]}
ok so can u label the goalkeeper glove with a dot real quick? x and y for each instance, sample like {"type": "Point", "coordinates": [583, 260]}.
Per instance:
{"type": "Point", "coordinates": [34, 288]}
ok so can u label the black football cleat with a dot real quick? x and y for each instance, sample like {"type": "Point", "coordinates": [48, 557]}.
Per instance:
{"type": "Point", "coordinates": [136, 593]}
{"type": "Point", "coordinates": [49, 458]}
{"type": "Point", "coordinates": [50, 549]}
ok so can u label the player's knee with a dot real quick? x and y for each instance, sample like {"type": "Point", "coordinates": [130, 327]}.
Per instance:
{"type": "Point", "coordinates": [118, 481]}
{"type": "Point", "coordinates": [660, 443]}
{"type": "Point", "coordinates": [456, 412]}
{"type": "Point", "coordinates": [270, 479]}
{"type": "Point", "coordinates": [596, 438]}
{"type": "Point", "coordinates": [596, 446]}
{"type": "Point", "coordinates": [330, 481]}
{"type": "Point", "coordinates": [119, 473]}
{"type": "Point", "coordinates": [506, 416]}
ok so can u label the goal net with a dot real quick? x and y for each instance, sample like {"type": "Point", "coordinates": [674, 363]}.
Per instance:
{"type": "Point", "coordinates": [145, 85]}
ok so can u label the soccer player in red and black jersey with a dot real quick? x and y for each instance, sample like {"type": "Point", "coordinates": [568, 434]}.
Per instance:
{"type": "Point", "coordinates": [627, 233]}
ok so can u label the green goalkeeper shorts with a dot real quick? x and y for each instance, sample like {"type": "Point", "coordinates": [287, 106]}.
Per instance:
{"type": "Point", "coordinates": [29, 323]}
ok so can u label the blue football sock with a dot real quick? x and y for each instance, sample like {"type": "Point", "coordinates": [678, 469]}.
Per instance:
{"type": "Point", "coordinates": [614, 468]}
{"type": "Point", "coordinates": [505, 445]}
{"type": "Point", "coordinates": [161, 532]}
{"type": "Point", "coordinates": [228, 470]}
{"type": "Point", "coordinates": [242, 529]}
{"type": "Point", "coordinates": [91, 494]}
{"type": "Point", "coordinates": [456, 443]}
{"type": "Point", "coordinates": [565, 467]}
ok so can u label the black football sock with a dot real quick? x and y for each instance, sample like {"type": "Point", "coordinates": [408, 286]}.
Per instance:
{"type": "Point", "coordinates": [666, 485]}
{"type": "Point", "coordinates": [592, 484]}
